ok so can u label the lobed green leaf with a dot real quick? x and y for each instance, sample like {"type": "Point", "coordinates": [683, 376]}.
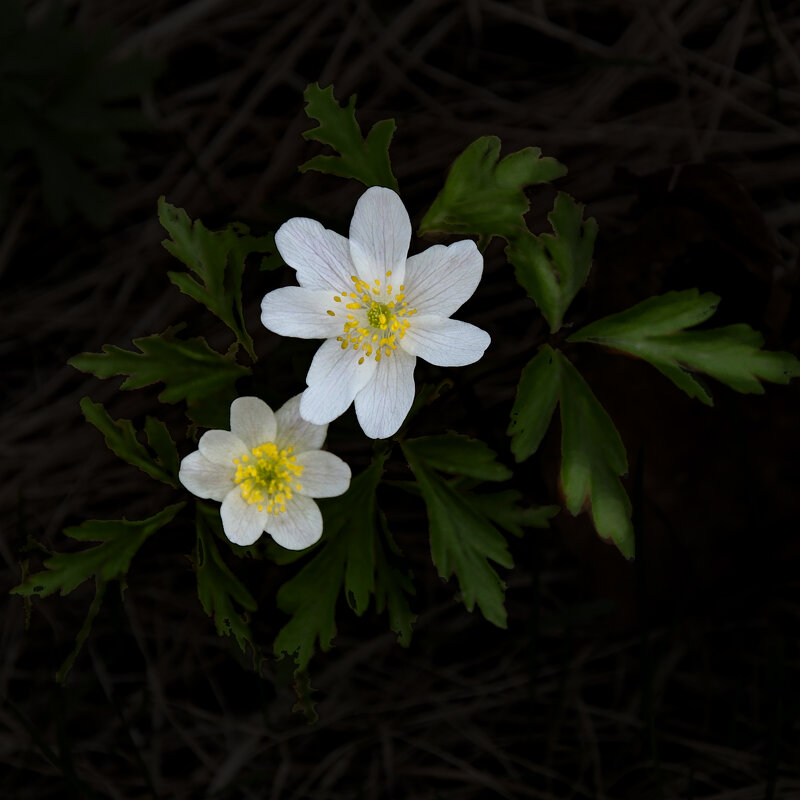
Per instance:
{"type": "Point", "coordinates": [310, 599]}
{"type": "Point", "coordinates": [217, 258]}
{"type": "Point", "coordinates": [121, 539]}
{"type": "Point", "coordinates": [120, 437]}
{"type": "Point", "coordinates": [366, 160]}
{"type": "Point", "coordinates": [537, 396]}
{"type": "Point", "coordinates": [592, 460]}
{"type": "Point", "coordinates": [463, 540]}
{"type": "Point", "coordinates": [552, 268]}
{"type": "Point", "coordinates": [653, 330]}
{"type": "Point", "coordinates": [219, 590]}
{"type": "Point", "coordinates": [485, 196]}
{"type": "Point", "coordinates": [189, 368]}
{"type": "Point", "coordinates": [504, 510]}
{"type": "Point", "coordinates": [162, 444]}
{"type": "Point", "coordinates": [592, 454]}
{"type": "Point", "coordinates": [353, 558]}
{"type": "Point", "coordinates": [393, 586]}
{"type": "Point", "coordinates": [460, 455]}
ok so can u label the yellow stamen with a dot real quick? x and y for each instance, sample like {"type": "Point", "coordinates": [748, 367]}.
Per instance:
{"type": "Point", "coordinates": [378, 318]}
{"type": "Point", "coordinates": [271, 479]}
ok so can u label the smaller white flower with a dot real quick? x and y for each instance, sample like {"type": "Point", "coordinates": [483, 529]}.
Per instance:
{"type": "Point", "coordinates": [265, 470]}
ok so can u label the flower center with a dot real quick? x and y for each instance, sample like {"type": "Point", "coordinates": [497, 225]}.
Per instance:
{"type": "Point", "coordinates": [377, 317]}
{"type": "Point", "coordinates": [268, 476]}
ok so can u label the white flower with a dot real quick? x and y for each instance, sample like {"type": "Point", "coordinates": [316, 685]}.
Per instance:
{"type": "Point", "coordinates": [265, 470]}
{"type": "Point", "coordinates": [376, 309]}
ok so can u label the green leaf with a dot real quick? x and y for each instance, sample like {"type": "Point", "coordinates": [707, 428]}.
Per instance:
{"type": "Point", "coordinates": [310, 599]}
{"type": "Point", "coordinates": [120, 437]}
{"type": "Point", "coordinates": [592, 454]}
{"type": "Point", "coordinates": [392, 586]}
{"type": "Point", "coordinates": [482, 196]}
{"type": "Point", "coordinates": [366, 160]}
{"type": "Point", "coordinates": [189, 368]}
{"type": "Point", "coordinates": [161, 443]}
{"type": "Point", "coordinates": [592, 460]}
{"type": "Point", "coordinates": [553, 267]}
{"type": "Point", "coordinates": [504, 510]}
{"type": "Point", "coordinates": [110, 560]}
{"type": "Point", "coordinates": [219, 590]}
{"type": "Point", "coordinates": [537, 396]}
{"type": "Point", "coordinates": [654, 331]}
{"type": "Point", "coordinates": [460, 455]}
{"type": "Point", "coordinates": [217, 258]}
{"type": "Point", "coordinates": [462, 540]}
{"type": "Point", "coordinates": [353, 557]}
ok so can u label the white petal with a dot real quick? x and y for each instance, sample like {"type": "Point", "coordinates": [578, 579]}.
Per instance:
{"type": "Point", "coordinates": [382, 405]}
{"type": "Point", "coordinates": [205, 479]}
{"type": "Point", "coordinates": [320, 256]}
{"type": "Point", "coordinates": [303, 313]}
{"type": "Point", "coordinates": [324, 474]}
{"type": "Point", "coordinates": [445, 342]}
{"type": "Point", "coordinates": [380, 233]}
{"type": "Point", "coordinates": [252, 421]}
{"type": "Point", "coordinates": [299, 526]}
{"type": "Point", "coordinates": [242, 522]}
{"type": "Point", "coordinates": [295, 431]}
{"type": "Point", "coordinates": [441, 279]}
{"type": "Point", "coordinates": [221, 447]}
{"type": "Point", "coordinates": [333, 379]}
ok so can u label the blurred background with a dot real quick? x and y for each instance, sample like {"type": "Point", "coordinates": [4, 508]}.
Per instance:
{"type": "Point", "coordinates": [672, 677]}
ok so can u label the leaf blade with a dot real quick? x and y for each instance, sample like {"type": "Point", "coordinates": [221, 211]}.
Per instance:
{"type": "Point", "coordinates": [189, 369]}
{"type": "Point", "coordinates": [217, 258]}
{"type": "Point", "coordinates": [120, 438]}
{"type": "Point", "coordinates": [654, 330]}
{"type": "Point", "coordinates": [365, 159]}
{"type": "Point", "coordinates": [504, 510]}
{"type": "Point", "coordinates": [538, 391]}
{"type": "Point", "coordinates": [552, 268]}
{"type": "Point", "coordinates": [462, 541]}
{"type": "Point", "coordinates": [592, 454]}
{"type": "Point", "coordinates": [162, 444]}
{"type": "Point", "coordinates": [460, 455]}
{"type": "Point", "coordinates": [353, 561]}
{"type": "Point", "coordinates": [593, 459]}
{"type": "Point", "coordinates": [218, 589]}
{"type": "Point", "coordinates": [110, 560]}
{"type": "Point", "coordinates": [485, 196]}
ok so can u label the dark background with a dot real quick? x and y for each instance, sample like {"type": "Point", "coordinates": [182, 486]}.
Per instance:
{"type": "Point", "coordinates": [671, 677]}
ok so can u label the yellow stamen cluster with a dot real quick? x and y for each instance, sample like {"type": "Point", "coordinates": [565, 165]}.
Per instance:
{"type": "Point", "coordinates": [376, 318]}
{"type": "Point", "coordinates": [268, 476]}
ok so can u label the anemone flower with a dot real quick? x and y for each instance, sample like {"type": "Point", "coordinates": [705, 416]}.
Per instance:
{"type": "Point", "coordinates": [376, 309]}
{"type": "Point", "coordinates": [265, 470]}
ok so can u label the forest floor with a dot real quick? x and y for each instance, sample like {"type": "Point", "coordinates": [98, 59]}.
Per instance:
{"type": "Point", "coordinates": [675, 676]}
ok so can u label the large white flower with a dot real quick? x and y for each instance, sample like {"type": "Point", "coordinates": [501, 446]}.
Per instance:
{"type": "Point", "coordinates": [265, 470]}
{"type": "Point", "coordinates": [377, 310]}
